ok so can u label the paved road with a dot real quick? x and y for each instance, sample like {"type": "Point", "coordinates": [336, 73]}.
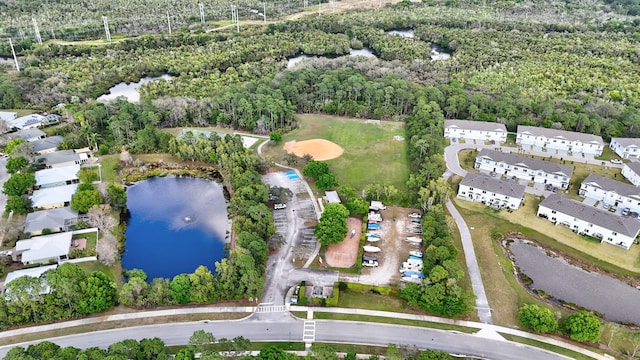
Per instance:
{"type": "Point", "coordinates": [322, 331]}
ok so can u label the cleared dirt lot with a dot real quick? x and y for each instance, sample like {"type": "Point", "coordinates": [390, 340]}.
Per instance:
{"type": "Point", "coordinates": [345, 253]}
{"type": "Point", "coordinates": [395, 228]}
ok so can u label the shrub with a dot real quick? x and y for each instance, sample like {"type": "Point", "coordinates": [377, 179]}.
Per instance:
{"type": "Point", "coordinates": [540, 320]}
{"type": "Point", "coordinates": [582, 326]}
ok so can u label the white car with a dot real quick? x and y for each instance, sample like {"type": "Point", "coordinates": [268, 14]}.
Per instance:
{"type": "Point", "coordinates": [616, 161]}
{"type": "Point", "coordinates": [414, 215]}
{"type": "Point", "coordinates": [370, 263]}
{"type": "Point", "coordinates": [280, 206]}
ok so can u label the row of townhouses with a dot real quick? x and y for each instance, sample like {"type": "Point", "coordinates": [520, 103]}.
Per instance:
{"type": "Point", "coordinates": [544, 138]}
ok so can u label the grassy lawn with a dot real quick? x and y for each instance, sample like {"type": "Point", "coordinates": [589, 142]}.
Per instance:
{"type": "Point", "coordinates": [109, 164]}
{"type": "Point", "coordinates": [352, 299]}
{"type": "Point", "coordinates": [318, 314]}
{"type": "Point", "coordinates": [553, 348]}
{"type": "Point", "coordinates": [91, 266]}
{"type": "Point", "coordinates": [362, 143]}
{"type": "Point", "coordinates": [607, 154]}
{"type": "Point", "coordinates": [91, 239]}
{"type": "Point", "coordinates": [20, 112]}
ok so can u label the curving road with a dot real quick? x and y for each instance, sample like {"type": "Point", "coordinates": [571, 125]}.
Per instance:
{"type": "Point", "coordinates": [323, 331]}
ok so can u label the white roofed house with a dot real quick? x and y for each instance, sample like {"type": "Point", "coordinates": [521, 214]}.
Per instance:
{"type": "Point", "coordinates": [475, 130]}
{"type": "Point", "coordinates": [524, 168]}
{"type": "Point", "coordinates": [611, 192]}
{"type": "Point", "coordinates": [55, 197]}
{"type": "Point", "coordinates": [626, 148]}
{"type": "Point", "coordinates": [25, 122]}
{"type": "Point", "coordinates": [59, 176]}
{"type": "Point", "coordinates": [35, 272]}
{"type": "Point", "coordinates": [563, 140]}
{"type": "Point", "coordinates": [56, 220]}
{"type": "Point", "coordinates": [44, 249]}
{"type": "Point", "coordinates": [496, 193]}
{"type": "Point", "coordinates": [631, 172]}
{"type": "Point", "coordinates": [588, 220]}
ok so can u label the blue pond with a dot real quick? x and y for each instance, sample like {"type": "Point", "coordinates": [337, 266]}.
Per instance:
{"type": "Point", "coordinates": [176, 225]}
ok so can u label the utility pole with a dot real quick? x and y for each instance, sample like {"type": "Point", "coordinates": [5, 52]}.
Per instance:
{"type": "Point", "coordinates": [15, 58]}
{"type": "Point", "coordinates": [305, 3]}
{"type": "Point", "coordinates": [201, 13]}
{"type": "Point", "coordinates": [53, 35]}
{"type": "Point", "coordinates": [333, 5]}
{"type": "Point", "coordinates": [234, 17]}
{"type": "Point", "coordinates": [106, 28]}
{"type": "Point", "coordinates": [264, 11]}
{"type": "Point", "coordinates": [169, 22]}
{"type": "Point", "coordinates": [36, 31]}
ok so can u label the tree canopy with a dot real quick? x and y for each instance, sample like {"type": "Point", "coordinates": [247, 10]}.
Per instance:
{"type": "Point", "coordinates": [332, 227]}
{"type": "Point", "coordinates": [582, 326]}
{"type": "Point", "coordinates": [540, 320]}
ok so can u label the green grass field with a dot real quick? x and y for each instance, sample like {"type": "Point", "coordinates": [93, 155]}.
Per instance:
{"type": "Point", "coordinates": [371, 155]}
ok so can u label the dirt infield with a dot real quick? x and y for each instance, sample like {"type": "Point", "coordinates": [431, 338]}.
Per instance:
{"type": "Point", "coordinates": [319, 149]}
{"type": "Point", "coordinates": [344, 254]}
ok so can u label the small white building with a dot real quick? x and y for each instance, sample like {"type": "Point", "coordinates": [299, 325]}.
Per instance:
{"type": "Point", "coordinates": [611, 192]}
{"type": "Point", "coordinates": [475, 130]}
{"type": "Point", "coordinates": [331, 197]}
{"type": "Point", "coordinates": [490, 191]}
{"type": "Point", "coordinates": [55, 197]}
{"type": "Point", "coordinates": [44, 249]}
{"type": "Point", "coordinates": [626, 148]}
{"type": "Point", "coordinates": [574, 142]}
{"type": "Point", "coordinates": [59, 176]}
{"type": "Point", "coordinates": [524, 168]}
{"type": "Point", "coordinates": [588, 220]}
{"type": "Point", "coordinates": [631, 172]}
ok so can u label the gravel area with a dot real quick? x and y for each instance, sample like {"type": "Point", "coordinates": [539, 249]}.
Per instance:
{"type": "Point", "coordinates": [616, 300]}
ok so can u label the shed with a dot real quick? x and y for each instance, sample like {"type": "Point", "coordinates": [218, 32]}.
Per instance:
{"type": "Point", "coordinates": [332, 197]}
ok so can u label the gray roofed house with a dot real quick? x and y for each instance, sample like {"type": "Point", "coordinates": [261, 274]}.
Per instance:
{"type": "Point", "coordinates": [589, 220]}
{"type": "Point", "coordinates": [491, 191]}
{"type": "Point", "coordinates": [46, 145]}
{"type": "Point", "coordinates": [56, 220]}
{"type": "Point", "coordinates": [631, 171]}
{"type": "Point", "coordinates": [560, 134]}
{"type": "Point", "coordinates": [475, 125]}
{"type": "Point", "coordinates": [31, 134]}
{"type": "Point", "coordinates": [62, 158]}
{"type": "Point", "coordinates": [44, 249]}
{"type": "Point", "coordinates": [610, 185]}
{"type": "Point", "coordinates": [475, 130]}
{"type": "Point", "coordinates": [488, 183]}
{"type": "Point", "coordinates": [8, 116]}
{"type": "Point", "coordinates": [530, 163]}
{"type": "Point", "coordinates": [626, 147]}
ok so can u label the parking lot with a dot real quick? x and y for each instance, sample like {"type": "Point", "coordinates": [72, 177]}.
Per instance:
{"type": "Point", "coordinates": [396, 226]}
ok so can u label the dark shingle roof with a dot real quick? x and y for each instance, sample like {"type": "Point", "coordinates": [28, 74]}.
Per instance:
{"type": "Point", "coordinates": [561, 134]}
{"type": "Point", "coordinates": [607, 184]}
{"type": "Point", "coordinates": [530, 163]}
{"type": "Point", "coordinates": [634, 166]}
{"type": "Point", "coordinates": [498, 186]}
{"type": "Point", "coordinates": [46, 143]}
{"type": "Point", "coordinates": [622, 225]}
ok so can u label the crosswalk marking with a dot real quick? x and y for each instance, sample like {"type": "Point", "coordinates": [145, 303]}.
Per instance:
{"type": "Point", "coordinates": [309, 333]}
{"type": "Point", "coordinates": [271, 308]}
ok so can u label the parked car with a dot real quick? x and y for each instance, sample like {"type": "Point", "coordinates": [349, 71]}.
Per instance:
{"type": "Point", "coordinates": [616, 161]}
{"type": "Point", "coordinates": [5, 252]}
{"type": "Point", "coordinates": [626, 211]}
{"type": "Point", "coordinates": [414, 215]}
{"type": "Point", "coordinates": [280, 206]}
{"type": "Point", "coordinates": [370, 263]}
{"type": "Point", "coordinates": [369, 258]}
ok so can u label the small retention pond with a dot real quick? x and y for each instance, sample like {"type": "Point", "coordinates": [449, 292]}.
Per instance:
{"type": "Point", "coordinates": [616, 300]}
{"type": "Point", "coordinates": [176, 225]}
{"type": "Point", "coordinates": [129, 91]}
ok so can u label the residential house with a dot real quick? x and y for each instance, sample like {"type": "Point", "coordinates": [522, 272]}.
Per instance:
{"type": "Point", "coordinates": [35, 272]}
{"type": "Point", "coordinates": [44, 249]}
{"type": "Point", "coordinates": [631, 172]}
{"type": "Point", "coordinates": [524, 168]}
{"type": "Point", "coordinates": [490, 191]}
{"type": "Point", "coordinates": [56, 220]}
{"type": "Point", "coordinates": [626, 148]}
{"type": "Point", "coordinates": [55, 197]}
{"type": "Point", "coordinates": [62, 158]}
{"type": "Point", "coordinates": [331, 197]}
{"type": "Point", "coordinates": [563, 140]}
{"type": "Point", "coordinates": [52, 119]}
{"type": "Point", "coordinates": [611, 192]}
{"type": "Point", "coordinates": [59, 176]}
{"type": "Point", "coordinates": [25, 122]}
{"type": "Point", "coordinates": [8, 116]}
{"type": "Point", "coordinates": [46, 145]}
{"type": "Point", "coordinates": [588, 220]}
{"type": "Point", "coordinates": [31, 134]}
{"type": "Point", "coordinates": [475, 130]}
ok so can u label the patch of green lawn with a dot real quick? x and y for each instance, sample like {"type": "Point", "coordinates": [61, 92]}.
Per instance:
{"type": "Point", "coordinates": [553, 348]}
{"type": "Point", "coordinates": [109, 165]}
{"type": "Point", "coordinates": [91, 239]}
{"type": "Point", "coordinates": [371, 155]}
{"type": "Point", "coordinates": [91, 266]}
